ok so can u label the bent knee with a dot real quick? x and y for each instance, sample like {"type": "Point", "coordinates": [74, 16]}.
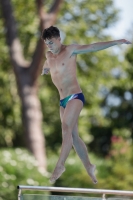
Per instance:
{"type": "Point", "coordinates": [66, 127]}
{"type": "Point", "coordinates": [66, 133]}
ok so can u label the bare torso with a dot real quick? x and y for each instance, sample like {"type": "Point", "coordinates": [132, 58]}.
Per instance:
{"type": "Point", "coordinates": [63, 71]}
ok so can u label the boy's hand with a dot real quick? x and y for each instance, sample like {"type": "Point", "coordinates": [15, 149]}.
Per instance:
{"type": "Point", "coordinates": [123, 41]}
{"type": "Point", "coordinates": [45, 71]}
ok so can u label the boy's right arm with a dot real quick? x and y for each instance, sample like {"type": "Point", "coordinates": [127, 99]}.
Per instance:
{"type": "Point", "coordinates": [45, 69]}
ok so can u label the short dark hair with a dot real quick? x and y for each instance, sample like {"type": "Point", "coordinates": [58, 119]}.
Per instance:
{"type": "Point", "coordinates": [50, 32]}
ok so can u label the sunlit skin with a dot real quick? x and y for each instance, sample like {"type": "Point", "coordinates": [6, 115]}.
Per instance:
{"type": "Point", "coordinates": [61, 63]}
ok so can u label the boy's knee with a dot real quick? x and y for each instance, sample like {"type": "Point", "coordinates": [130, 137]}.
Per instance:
{"type": "Point", "coordinates": [65, 127]}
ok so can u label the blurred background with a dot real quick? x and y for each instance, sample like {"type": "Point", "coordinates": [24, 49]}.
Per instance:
{"type": "Point", "coordinates": [30, 128]}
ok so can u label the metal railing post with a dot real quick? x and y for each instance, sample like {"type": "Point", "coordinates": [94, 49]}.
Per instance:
{"type": "Point", "coordinates": [103, 197]}
{"type": "Point", "coordinates": [19, 194]}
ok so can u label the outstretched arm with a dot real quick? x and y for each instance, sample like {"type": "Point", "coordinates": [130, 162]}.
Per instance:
{"type": "Point", "coordinates": [79, 49]}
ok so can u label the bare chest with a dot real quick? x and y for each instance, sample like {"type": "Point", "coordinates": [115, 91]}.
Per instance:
{"type": "Point", "coordinates": [61, 64]}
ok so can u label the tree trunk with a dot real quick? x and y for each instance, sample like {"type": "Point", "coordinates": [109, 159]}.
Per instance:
{"type": "Point", "coordinates": [32, 120]}
{"type": "Point", "coordinates": [26, 77]}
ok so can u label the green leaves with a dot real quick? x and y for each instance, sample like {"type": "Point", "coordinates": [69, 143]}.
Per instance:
{"type": "Point", "coordinates": [18, 167]}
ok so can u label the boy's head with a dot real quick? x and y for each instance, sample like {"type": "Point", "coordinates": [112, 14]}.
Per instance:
{"type": "Point", "coordinates": [51, 37]}
{"type": "Point", "coordinates": [50, 32]}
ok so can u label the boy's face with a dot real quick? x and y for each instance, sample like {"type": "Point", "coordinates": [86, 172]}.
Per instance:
{"type": "Point", "coordinates": [53, 44]}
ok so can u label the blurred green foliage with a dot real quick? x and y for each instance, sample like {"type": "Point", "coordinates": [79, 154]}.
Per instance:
{"type": "Point", "coordinates": [10, 113]}
{"type": "Point", "coordinates": [18, 167]}
{"type": "Point", "coordinates": [105, 123]}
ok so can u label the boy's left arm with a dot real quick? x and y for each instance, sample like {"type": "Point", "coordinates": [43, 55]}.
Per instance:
{"type": "Point", "coordinates": [79, 49]}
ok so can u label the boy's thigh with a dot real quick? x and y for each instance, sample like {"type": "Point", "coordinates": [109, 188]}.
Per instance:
{"type": "Point", "coordinates": [72, 111]}
{"type": "Point", "coordinates": [61, 113]}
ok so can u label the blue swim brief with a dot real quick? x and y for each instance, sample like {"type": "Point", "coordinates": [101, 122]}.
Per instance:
{"type": "Point", "coordinates": [80, 96]}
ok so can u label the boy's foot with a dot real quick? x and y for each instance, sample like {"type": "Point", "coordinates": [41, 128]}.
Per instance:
{"type": "Point", "coordinates": [91, 171]}
{"type": "Point", "coordinates": [57, 173]}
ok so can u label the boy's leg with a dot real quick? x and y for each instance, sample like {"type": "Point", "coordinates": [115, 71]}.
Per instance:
{"type": "Point", "coordinates": [81, 150]}
{"type": "Point", "coordinates": [70, 118]}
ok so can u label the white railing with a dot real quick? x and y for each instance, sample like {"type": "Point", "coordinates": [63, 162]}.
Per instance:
{"type": "Point", "coordinates": [74, 190]}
